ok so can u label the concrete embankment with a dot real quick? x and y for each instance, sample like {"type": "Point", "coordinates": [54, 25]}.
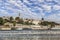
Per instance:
{"type": "Point", "coordinates": [30, 35]}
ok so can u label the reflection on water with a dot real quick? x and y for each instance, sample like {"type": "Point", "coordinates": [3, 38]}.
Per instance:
{"type": "Point", "coordinates": [30, 35]}
{"type": "Point", "coordinates": [31, 38]}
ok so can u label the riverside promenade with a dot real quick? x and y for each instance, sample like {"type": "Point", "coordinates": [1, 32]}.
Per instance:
{"type": "Point", "coordinates": [53, 34]}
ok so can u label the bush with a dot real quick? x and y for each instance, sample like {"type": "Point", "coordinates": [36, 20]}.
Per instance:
{"type": "Point", "coordinates": [14, 23]}
{"type": "Point", "coordinates": [20, 21]}
{"type": "Point", "coordinates": [13, 28]}
{"type": "Point", "coordinates": [1, 21]}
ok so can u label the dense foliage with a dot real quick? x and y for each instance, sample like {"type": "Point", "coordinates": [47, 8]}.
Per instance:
{"type": "Point", "coordinates": [1, 21]}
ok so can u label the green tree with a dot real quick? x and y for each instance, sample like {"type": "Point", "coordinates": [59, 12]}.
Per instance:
{"type": "Point", "coordinates": [1, 21]}
{"type": "Point", "coordinates": [5, 20]}
{"type": "Point", "coordinates": [42, 18]}
{"type": "Point", "coordinates": [21, 21]}
{"type": "Point", "coordinates": [27, 22]}
{"type": "Point", "coordinates": [14, 24]}
{"type": "Point", "coordinates": [31, 22]}
{"type": "Point", "coordinates": [11, 19]}
{"type": "Point", "coordinates": [52, 24]}
{"type": "Point", "coordinates": [17, 18]}
{"type": "Point", "coordinates": [45, 23]}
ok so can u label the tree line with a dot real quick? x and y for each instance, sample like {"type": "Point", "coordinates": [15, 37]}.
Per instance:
{"type": "Point", "coordinates": [19, 20]}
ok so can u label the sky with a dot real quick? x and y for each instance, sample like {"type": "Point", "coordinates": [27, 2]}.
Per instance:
{"type": "Point", "coordinates": [35, 9]}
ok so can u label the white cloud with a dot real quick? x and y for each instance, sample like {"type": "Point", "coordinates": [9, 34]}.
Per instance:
{"type": "Point", "coordinates": [58, 14]}
{"type": "Point", "coordinates": [26, 12]}
{"type": "Point", "coordinates": [56, 7]}
{"type": "Point", "coordinates": [54, 17]}
{"type": "Point", "coordinates": [26, 1]}
{"type": "Point", "coordinates": [46, 7]}
{"type": "Point", "coordinates": [41, 0]}
{"type": "Point", "coordinates": [58, 1]}
{"type": "Point", "coordinates": [49, 0]}
{"type": "Point", "coordinates": [3, 12]}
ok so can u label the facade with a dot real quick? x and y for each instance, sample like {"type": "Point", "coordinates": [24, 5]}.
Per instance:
{"type": "Point", "coordinates": [36, 22]}
{"type": "Point", "coordinates": [33, 21]}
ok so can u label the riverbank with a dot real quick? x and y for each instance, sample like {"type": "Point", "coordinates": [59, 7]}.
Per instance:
{"type": "Point", "coordinates": [30, 34]}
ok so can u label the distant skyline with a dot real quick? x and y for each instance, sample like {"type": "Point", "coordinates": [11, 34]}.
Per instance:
{"type": "Point", "coordinates": [48, 9]}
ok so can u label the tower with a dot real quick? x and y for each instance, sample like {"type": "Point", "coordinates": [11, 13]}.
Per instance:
{"type": "Point", "coordinates": [19, 15]}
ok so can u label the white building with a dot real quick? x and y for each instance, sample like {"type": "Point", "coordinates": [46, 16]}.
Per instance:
{"type": "Point", "coordinates": [36, 22]}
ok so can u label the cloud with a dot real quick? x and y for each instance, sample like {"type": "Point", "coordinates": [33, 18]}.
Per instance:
{"type": "Point", "coordinates": [24, 9]}
{"type": "Point", "coordinates": [56, 7]}
{"type": "Point", "coordinates": [32, 8]}
{"type": "Point", "coordinates": [41, 1]}
{"type": "Point", "coordinates": [58, 1]}
{"type": "Point", "coordinates": [49, 0]}
{"type": "Point", "coordinates": [46, 7]}
{"type": "Point", "coordinates": [54, 17]}
{"type": "Point", "coordinates": [3, 12]}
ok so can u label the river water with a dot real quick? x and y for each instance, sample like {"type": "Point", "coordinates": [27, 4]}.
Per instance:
{"type": "Point", "coordinates": [53, 34]}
